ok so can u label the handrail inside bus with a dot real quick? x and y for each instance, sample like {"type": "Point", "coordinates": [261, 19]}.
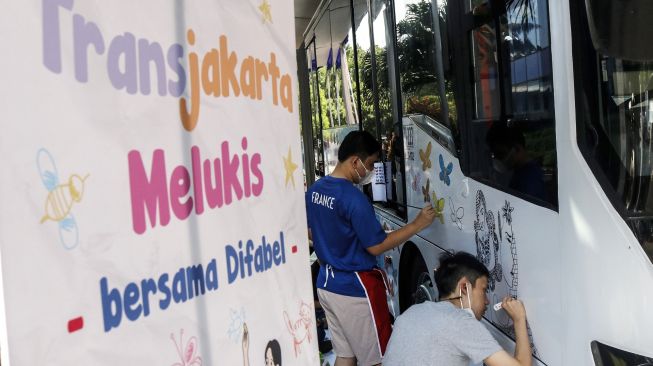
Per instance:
{"type": "Point", "coordinates": [440, 133]}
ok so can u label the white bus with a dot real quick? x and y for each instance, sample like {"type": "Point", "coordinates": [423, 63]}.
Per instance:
{"type": "Point", "coordinates": [528, 124]}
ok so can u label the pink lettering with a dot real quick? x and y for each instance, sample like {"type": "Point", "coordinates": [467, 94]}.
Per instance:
{"type": "Point", "coordinates": [218, 179]}
{"type": "Point", "coordinates": [146, 192]}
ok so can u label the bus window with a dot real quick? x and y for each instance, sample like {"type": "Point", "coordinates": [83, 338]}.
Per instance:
{"type": "Point", "coordinates": [365, 68]}
{"type": "Point", "coordinates": [614, 120]}
{"type": "Point", "coordinates": [511, 137]}
{"type": "Point", "coordinates": [384, 65]}
{"type": "Point", "coordinates": [316, 109]}
{"type": "Point", "coordinates": [474, 4]}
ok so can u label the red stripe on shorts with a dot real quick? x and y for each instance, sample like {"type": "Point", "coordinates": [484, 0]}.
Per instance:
{"type": "Point", "coordinates": [373, 282]}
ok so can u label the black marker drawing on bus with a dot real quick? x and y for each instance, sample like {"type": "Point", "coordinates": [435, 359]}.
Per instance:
{"type": "Point", "coordinates": [502, 284]}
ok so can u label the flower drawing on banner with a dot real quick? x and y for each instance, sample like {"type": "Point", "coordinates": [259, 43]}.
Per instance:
{"type": "Point", "coordinates": [300, 329]}
{"type": "Point", "coordinates": [61, 198]}
{"type": "Point", "coordinates": [237, 320]}
{"type": "Point", "coordinates": [188, 353]}
{"type": "Point", "coordinates": [266, 11]}
{"type": "Point", "coordinates": [290, 168]}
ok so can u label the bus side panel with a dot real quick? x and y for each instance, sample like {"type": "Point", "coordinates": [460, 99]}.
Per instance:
{"type": "Point", "coordinates": [517, 240]}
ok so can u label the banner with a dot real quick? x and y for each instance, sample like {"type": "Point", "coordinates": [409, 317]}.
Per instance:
{"type": "Point", "coordinates": [152, 191]}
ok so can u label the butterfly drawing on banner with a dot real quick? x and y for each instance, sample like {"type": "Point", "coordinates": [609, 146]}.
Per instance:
{"type": "Point", "coordinates": [425, 190]}
{"type": "Point", "coordinates": [425, 157]}
{"type": "Point", "coordinates": [438, 205]}
{"type": "Point", "coordinates": [189, 354]}
{"type": "Point", "coordinates": [445, 172]}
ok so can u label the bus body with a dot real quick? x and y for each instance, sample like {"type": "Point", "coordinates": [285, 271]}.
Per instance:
{"type": "Point", "coordinates": [579, 254]}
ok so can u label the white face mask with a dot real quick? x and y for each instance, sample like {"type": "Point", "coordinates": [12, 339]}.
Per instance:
{"type": "Point", "coordinates": [367, 178]}
{"type": "Point", "coordinates": [469, 300]}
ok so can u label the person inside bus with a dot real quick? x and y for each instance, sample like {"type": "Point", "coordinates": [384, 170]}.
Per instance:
{"type": "Point", "coordinates": [449, 332]}
{"type": "Point", "coordinates": [347, 237]}
{"type": "Point", "coordinates": [509, 155]}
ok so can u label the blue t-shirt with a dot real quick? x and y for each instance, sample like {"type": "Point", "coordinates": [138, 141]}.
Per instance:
{"type": "Point", "coordinates": [343, 225]}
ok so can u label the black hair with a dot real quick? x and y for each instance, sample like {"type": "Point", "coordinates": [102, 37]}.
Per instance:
{"type": "Point", "coordinates": [358, 143]}
{"type": "Point", "coordinates": [274, 346]}
{"type": "Point", "coordinates": [454, 267]}
{"type": "Point", "coordinates": [500, 134]}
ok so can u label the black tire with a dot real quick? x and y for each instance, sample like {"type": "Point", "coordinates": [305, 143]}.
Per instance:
{"type": "Point", "coordinates": [413, 274]}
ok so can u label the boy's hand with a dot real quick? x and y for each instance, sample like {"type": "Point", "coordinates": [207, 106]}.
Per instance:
{"type": "Point", "coordinates": [425, 217]}
{"type": "Point", "coordinates": [514, 308]}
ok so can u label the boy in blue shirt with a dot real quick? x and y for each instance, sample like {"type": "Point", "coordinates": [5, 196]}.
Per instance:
{"type": "Point", "coordinates": [347, 236]}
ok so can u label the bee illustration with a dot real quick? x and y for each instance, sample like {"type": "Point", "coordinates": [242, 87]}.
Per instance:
{"type": "Point", "coordinates": [438, 205]}
{"type": "Point", "coordinates": [188, 355]}
{"type": "Point", "coordinates": [61, 198]}
{"type": "Point", "coordinates": [425, 156]}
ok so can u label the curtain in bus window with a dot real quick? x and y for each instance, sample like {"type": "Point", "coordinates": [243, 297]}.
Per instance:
{"type": "Point", "coordinates": [486, 73]}
{"type": "Point", "coordinates": [470, 5]}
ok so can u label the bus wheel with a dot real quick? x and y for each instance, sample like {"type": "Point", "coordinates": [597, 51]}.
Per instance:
{"type": "Point", "coordinates": [415, 282]}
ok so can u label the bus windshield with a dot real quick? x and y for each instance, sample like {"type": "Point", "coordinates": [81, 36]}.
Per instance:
{"type": "Point", "coordinates": [614, 106]}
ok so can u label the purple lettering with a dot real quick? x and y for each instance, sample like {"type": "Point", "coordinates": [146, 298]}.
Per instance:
{"type": "Point", "coordinates": [51, 34]}
{"type": "Point", "coordinates": [84, 35]}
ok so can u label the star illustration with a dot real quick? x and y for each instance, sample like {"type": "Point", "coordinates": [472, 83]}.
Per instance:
{"type": "Point", "coordinates": [265, 10]}
{"type": "Point", "coordinates": [290, 168]}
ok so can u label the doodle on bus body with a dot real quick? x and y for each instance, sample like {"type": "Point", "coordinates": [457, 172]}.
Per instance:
{"type": "Point", "coordinates": [457, 214]}
{"type": "Point", "coordinates": [425, 156]}
{"type": "Point", "coordinates": [445, 172]}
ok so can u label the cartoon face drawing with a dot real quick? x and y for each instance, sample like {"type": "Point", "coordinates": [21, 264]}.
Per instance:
{"type": "Point", "coordinates": [300, 328]}
{"type": "Point", "coordinates": [445, 172]}
{"type": "Point", "coordinates": [425, 191]}
{"type": "Point", "coordinates": [425, 157]}
{"type": "Point", "coordinates": [187, 356]}
{"type": "Point", "coordinates": [273, 353]}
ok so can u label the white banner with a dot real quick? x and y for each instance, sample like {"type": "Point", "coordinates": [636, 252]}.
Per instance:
{"type": "Point", "coordinates": [153, 209]}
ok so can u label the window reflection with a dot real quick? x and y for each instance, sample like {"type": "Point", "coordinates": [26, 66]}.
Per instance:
{"type": "Point", "coordinates": [513, 134]}
{"type": "Point", "coordinates": [486, 72]}
{"type": "Point", "coordinates": [384, 65]}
